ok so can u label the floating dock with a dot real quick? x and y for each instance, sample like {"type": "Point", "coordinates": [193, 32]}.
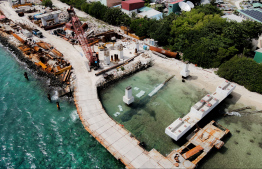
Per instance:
{"type": "Point", "coordinates": [180, 126]}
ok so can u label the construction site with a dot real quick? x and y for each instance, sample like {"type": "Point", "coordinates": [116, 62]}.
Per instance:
{"type": "Point", "coordinates": [81, 59]}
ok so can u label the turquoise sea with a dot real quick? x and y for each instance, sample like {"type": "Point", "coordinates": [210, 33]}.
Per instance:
{"type": "Point", "coordinates": [33, 133]}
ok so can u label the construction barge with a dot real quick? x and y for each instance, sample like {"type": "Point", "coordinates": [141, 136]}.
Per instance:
{"type": "Point", "coordinates": [200, 142]}
{"type": "Point", "coordinates": [180, 126]}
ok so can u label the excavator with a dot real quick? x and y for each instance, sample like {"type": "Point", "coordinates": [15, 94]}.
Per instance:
{"type": "Point", "coordinates": [103, 45]}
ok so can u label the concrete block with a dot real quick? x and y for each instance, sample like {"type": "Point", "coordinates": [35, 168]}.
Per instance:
{"type": "Point", "coordinates": [140, 160]}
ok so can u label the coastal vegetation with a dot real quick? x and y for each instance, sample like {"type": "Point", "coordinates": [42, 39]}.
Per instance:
{"type": "Point", "coordinates": [201, 35]}
{"type": "Point", "coordinates": [47, 3]}
{"type": "Point", "coordinates": [244, 71]}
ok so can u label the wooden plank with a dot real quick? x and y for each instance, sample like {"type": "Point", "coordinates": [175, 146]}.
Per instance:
{"type": "Point", "coordinates": [62, 70]}
{"type": "Point", "coordinates": [65, 77]}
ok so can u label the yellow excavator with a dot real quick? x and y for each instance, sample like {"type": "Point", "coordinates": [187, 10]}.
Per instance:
{"type": "Point", "coordinates": [103, 45]}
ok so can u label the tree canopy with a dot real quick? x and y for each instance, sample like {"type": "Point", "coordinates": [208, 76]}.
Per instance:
{"type": "Point", "coordinates": [47, 3]}
{"type": "Point", "coordinates": [244, 71]}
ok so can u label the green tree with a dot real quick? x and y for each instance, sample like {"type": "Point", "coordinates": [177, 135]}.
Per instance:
{"type": "Point", "coordinates": [139, 26]}
{"type": "Point", "coordinates": [115, 16]}
{"type": "Point", "coordinates": [47, 3]}
{"type": "Point", "coordinates": [97, 10]}
{"type": "Point", "coordinates": [244, 71]}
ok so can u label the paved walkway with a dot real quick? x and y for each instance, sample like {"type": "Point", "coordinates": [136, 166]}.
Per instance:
{"type": "Point", "coordinates": [237, 3]}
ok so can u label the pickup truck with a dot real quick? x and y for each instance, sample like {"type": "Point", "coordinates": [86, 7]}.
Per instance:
{"type": "Point", "coordinates": [37, 33]}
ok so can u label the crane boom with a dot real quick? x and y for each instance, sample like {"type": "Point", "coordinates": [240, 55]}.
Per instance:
{"type": "Point", "coordinates": [80, 34]}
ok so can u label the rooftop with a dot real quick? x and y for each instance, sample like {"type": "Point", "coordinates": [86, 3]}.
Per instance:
{"type": "Point", "coordinates": [254, 14]}
{"type": "Point", "coordinates": [256, 5]}
{"type": "Point", "coordinates": [151, 14]}
{"type": "Point", "coordinates": [233, 18]}
{"type": "Point", "coordinates": [177, 1]}
{"type": "Point", "coordinates": [144, 9]}
{"type": "Point", "coordinates": [132, 1]}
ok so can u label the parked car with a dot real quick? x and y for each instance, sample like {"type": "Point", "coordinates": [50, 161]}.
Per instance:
{"type": "Point", "coordinates": [37, 33]}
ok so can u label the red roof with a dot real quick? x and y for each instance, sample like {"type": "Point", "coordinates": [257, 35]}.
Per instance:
{"type": "Point", "coordinates": [133, 1]}
{"type": "Point", "coordinates": [2, 17]}
{"type": "Point", "coordinates": [132, 4]}
{"type": "Point", "coordinates": [177, 1]}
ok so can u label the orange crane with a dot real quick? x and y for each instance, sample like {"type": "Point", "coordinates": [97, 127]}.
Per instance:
{"type": "Point", "coordinates": [80, 34]}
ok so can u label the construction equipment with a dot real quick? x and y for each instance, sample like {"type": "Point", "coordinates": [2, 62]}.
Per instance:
{"type": "Point", "coordinates": [102, 46]}
{"type": "Point", "coordinates": [37, 33]}
{"type": "Point", "coordinates": [18, 5]}
{"type": "Point", "coordinates": [92, 58]}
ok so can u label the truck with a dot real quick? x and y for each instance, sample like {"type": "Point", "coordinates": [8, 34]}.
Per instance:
{"type": "Point", "coordinates": [37, 33]}
{"type": "Point", "coordinates": [26, 33]}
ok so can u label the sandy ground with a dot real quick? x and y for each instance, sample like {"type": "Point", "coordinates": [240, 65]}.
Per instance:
{"type": "Point", "coordinates": [203, 78]}
{"type": "Point", "coordinates": [207, 79]}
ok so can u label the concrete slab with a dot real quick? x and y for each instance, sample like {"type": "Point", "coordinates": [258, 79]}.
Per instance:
{"type": "Point", "coordinates": [126, 149]}
{"type": "Point", "coordinates": [103, 128]}
{"type": "Point", "coordinates": [95, 119]}
{"type": "Point", "coordinates": [132, 140]}
{"type": "Point", "coordinates": [108, 133]}
{"type": "Point", "coordinates": [165, 163]}
{"type": "Point", "coordinates": [114, 137]}
{"type": "Point", "coordinates": [140, 160]}
{"type": "Point", "coordinates": [150, 164]}
{"type": "Point", "coordinates": [119, 144]}
{"type": "Point", "coordinates": [155, 155]}
{"type": "Point", "coordinates": [133, 153]}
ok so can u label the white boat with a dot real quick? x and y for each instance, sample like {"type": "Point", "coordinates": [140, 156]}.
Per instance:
{"type": "Point", "coordinates": [180, 126]}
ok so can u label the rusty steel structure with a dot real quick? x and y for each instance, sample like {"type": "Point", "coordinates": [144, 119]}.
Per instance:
{"type": "Point", "coordinates": [80, 34]}
{"type": "Point", "coordinates": [200, 142]}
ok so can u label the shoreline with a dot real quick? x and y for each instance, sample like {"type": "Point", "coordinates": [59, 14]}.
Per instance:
{"type": "Point", "coordinates": [208, 80]}
{"type": "Point", "coordinates": [30, 65]}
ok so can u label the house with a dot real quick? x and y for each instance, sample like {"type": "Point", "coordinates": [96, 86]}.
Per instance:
{"type": "Point", "coordinates": [110, 3]}
{"type": "Point", "coordinates": [174, 7]}
{"type": "Point", "coordinates": [150, 13]}
{"type": "Point", "coordinates": [132, 6]}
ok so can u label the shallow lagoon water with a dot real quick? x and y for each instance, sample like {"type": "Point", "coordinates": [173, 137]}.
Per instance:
{"type": "Point", "coordinates": [34, 134]}
{"type": "Point", "coordinates": [148, 117]}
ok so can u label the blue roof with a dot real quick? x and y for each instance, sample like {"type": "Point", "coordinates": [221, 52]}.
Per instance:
{"type": "Point", "coordinates": [144, 9]}
{"type": "Point", "coordinates": [254, 14]}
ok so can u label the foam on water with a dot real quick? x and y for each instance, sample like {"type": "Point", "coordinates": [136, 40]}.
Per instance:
{"type": "Point", "coordinates": [74, 116]}
{"type": "Point", "coordinates": [55, 96]}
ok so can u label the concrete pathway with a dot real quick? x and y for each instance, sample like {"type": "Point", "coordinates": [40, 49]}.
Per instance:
{"type": "Point", "coordinates": [237, 3]}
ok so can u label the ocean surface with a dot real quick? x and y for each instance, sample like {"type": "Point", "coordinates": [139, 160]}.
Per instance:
{"type": "Point", "coordinates": [33, 133]}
